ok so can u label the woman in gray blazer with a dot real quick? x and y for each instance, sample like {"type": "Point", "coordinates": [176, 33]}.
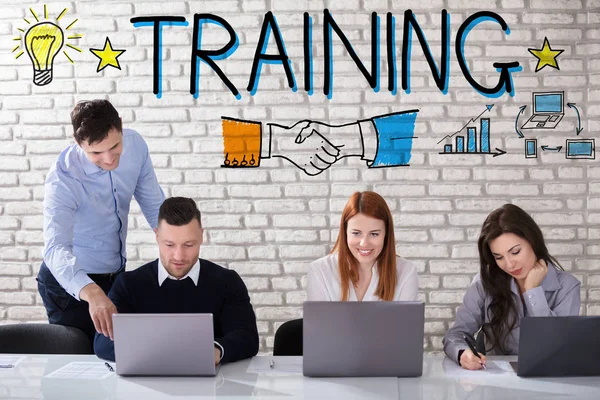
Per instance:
{"type": "Point", "coordinates": [517, 278]}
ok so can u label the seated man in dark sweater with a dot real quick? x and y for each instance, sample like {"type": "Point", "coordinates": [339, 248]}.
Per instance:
{"type": "Point", "coordinates": [180, 282]}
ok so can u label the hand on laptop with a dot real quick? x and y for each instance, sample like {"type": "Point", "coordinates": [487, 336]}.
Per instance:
{"type": "Point", "coordinates": [536, 275]}
{"type": "Point", "coordinates": [101, 309]}
{"type": "Point", "coordinates": [470, 361]}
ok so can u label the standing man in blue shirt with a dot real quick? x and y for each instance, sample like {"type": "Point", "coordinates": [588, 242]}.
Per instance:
{"type": "Point", "coordinates": [87, 198]}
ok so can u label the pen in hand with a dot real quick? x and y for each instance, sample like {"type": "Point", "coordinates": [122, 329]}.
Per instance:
{"type": "Point", "coordinates": [110, 368]}
{"type": "Point", "coordinates": [471, 345]}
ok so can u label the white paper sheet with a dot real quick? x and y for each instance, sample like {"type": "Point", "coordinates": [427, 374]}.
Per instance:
{"type": "Point", "coordinates": [82, 370]}
{"type": "Point", "coordinates": [275, 365]}
{"type": "Point", "coordinates": [493, 368]}
{"type": "Point", "coordinates": [8, 362]}
{"type": "Point", "coordinates": [502, 365]}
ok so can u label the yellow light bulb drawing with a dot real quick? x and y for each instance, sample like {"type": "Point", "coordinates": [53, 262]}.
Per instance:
{"type": "Point", "coordinates": [43, 41]}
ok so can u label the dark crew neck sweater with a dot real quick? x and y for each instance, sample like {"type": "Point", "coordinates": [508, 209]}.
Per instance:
{"type": "Point", "coordinates": [220, 292]}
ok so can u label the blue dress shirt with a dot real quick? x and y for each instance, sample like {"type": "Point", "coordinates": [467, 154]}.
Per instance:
{"type": "Point", "coordinates": [86, 211]}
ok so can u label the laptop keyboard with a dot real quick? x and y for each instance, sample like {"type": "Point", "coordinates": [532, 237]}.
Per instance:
{"type": "Point", "coordinates": [540, 118]}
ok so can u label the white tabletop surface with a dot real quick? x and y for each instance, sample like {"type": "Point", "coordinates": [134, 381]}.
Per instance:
{"type": "Point", "coordinates": [442, 379]}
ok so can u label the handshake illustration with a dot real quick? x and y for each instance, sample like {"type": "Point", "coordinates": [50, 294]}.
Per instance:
{"type": "Point", "coordinates": [313, 146]}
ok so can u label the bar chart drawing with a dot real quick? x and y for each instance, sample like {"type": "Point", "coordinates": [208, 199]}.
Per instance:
{"type": "Point", "coordinates": [476, 142]}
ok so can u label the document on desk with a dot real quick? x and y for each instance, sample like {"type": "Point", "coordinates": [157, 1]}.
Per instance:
{"type": "Point", "coordinates": [82, 370]}
{"type": "Point", "coordinates": [275, 365]}
{"type": "Point", "coordinates": [10, 361]}
{"type": "Point", "coordinates": [493, 368]}
{"type": "Point", "coordinates": [501, 365]}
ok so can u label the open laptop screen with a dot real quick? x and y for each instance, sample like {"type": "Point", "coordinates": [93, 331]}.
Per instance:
{"type": "Point", "coordinates": [559, 346]}
{"type": "Point", "coordinates": [363, 338]}
{"type": "Point", "coordinates": [548, 103]}
{"type": "Point", "coordinates": [164, 344]}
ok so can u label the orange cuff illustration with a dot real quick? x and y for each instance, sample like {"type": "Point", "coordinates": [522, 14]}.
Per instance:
{"type": "Point", "coordinates": [241, 143]}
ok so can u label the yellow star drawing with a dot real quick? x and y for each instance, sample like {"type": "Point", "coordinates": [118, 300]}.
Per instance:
{"type": "Point", "coordinates": [546, 56]}
{"type": "Point", "coordinates": [107, 55]}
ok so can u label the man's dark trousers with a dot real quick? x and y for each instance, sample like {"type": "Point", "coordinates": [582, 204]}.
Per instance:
{"type": "Point", "coordinates": [64, 309]}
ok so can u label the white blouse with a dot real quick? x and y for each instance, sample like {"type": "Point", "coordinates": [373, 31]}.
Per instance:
{"type": "Point", "coordinates": [324, 281]}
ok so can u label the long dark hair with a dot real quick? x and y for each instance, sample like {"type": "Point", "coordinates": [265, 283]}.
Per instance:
{"type": "Point", "coordinates": [497, 283]}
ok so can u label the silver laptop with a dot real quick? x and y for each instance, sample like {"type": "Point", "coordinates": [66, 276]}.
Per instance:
{"type": "Point", "coordinates": [363, 338]}
{"type": "Point", "coordinates": [559, 346]}
{"type": "Point", "coordinates": [164, 344]}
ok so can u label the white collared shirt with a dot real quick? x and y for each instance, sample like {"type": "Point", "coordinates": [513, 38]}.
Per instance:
{"type": "Point", "coordinates": [324, 284]}
{"type": "Point", "coordinates": [193, 273]}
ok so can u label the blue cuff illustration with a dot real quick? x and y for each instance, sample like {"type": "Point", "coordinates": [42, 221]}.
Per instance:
{"type": "Point", "coordinates": [395, 133]}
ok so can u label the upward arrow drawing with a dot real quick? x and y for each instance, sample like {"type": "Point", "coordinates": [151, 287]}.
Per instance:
{"type": "Point", "coordinates": [488, 107]}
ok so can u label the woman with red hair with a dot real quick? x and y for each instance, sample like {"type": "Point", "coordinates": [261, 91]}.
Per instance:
{"type": "Point", "coordinates": [363, 265]}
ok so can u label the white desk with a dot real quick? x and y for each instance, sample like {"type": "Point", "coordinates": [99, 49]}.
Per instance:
{"type": "Point", "coordinates": [442, 379]}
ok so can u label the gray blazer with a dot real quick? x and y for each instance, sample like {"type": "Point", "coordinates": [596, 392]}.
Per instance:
{"type": "Point", "coordinates": [558, 295]}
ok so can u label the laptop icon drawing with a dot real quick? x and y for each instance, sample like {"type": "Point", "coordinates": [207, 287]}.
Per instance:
{"type": "Point", "coordinates": [548, 110]}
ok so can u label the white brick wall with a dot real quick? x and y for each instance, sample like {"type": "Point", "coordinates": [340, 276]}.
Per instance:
{"type": "Point", "coordinates": [270, 223]}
